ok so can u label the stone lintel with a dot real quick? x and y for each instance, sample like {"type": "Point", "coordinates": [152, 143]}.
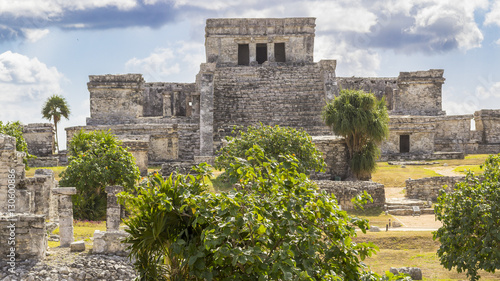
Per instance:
{"type": "Point", "coordinates": [64, 191]}
{"type": "Point", "coordinates": [113, 189]}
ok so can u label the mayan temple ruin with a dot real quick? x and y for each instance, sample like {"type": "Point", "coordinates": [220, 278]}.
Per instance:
{"type": "Point", "coordinates": [257, 71]}
{"type": "Point", "coordinates": [262, 70]}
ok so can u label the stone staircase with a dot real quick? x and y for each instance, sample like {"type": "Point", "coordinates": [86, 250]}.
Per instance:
{"type": "Point", "coordinates": [405, 207]}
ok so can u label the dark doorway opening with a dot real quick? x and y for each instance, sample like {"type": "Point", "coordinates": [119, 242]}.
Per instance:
{"type": "Point", "coordinates": [243, 54]}
{"type": "Point", "coordinates": [279, 52]}
{"type": "Point", "coordinates": [261, 53]}
{"type": "Point", "coordinates": [404, 143]}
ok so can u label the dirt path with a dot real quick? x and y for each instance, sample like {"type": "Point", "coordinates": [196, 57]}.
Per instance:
{"type": "Point", "coordinates": [423, 221]}
{"type": "Point", "coordinates": [446, 171]}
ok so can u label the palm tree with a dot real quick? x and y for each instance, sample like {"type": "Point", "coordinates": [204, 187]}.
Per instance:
{"type": "Point", "coordinates": [56, 107]}
{"type": "Point", "coordinates": [363, 121]}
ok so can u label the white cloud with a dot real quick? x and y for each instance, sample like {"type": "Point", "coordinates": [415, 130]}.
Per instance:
{"type": "Point", "coordinates": [157, 66]}
{"type": "Point", "coordinates": [34, 35]}
{"type": "Point", "coordinates": [493, 90]}
{"type": "Point", "coordinates": [341, 15]}
{"type": "Point", "coordinates": [53, 8]}
{"type": "Point", "coordinates": [351, 61]}
{"type": "Point", "coordinates": [164, 64]}
{"type": "Point", "coordinates": [25, 83]}
{"type": "Point", "coordinates": [493, 16]}
{"type": "Point", "coordinates": [449, 17]}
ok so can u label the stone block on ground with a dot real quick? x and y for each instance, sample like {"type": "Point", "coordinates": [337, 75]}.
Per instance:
{"type": "Point", "coordinates": [414, 272]}
{"type": "Point", "coordinates": [78, 246]}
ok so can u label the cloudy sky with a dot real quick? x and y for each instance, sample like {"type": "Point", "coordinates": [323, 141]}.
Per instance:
{"type": "Point", "coordinates": [51, 46]}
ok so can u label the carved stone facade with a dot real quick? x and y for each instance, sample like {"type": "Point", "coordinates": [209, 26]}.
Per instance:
{"type": "Point", "coordinates": [262, 71]}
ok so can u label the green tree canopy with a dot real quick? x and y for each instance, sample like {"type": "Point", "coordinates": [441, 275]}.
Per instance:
{"type": "Point", "coordinates": [363, 121]}
{"type": "Point", "coordinates": [274, 141]}
{"type": "Point", "coordinates": [15, 129]}
{"type": "Point", "coordinates": [54, 109]}
{"type": "Point", "coordinates": [97, 160]}
{"type": "Point", "coordinates": [470, 235]}
{"type": "Point", "coordinates": [279, 226]}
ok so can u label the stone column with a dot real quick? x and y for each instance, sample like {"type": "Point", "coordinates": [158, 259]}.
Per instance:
{"type": "Point", "coordinates": [65, 214]}
{"type": "Point", "coordinates": [113, 211]}
{"type": "Point", "coordinates": [207, 110]}
{"type": "Point", "coordinates": [270, 52]}
{"type": "Point", "coordinates": [329, 80]}
{"type": "Point", "coordinates": [253, 53]}
{"type": "Point", "coordinates": [167, 107]}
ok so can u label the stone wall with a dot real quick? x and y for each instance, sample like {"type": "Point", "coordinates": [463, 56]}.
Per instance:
{"type": "Point", "coordinates": [453, 133]}
{"type": "Point", "coordinates": [420, 129]}
{"type": "Point", "coordinates": [344, 191]}
{"type": "Point", "coordinates": [116, 97]}
{"type": "Point", "coordinates": [222, 37]}
{"type": "Point", "coordinates": [110, 243]}
{"type": "Point", "coordinates": [428, 188]}
{"type": "Point", "coordinates": [24, 205]}
{"type": "Point", "coordinates": [28, 232]}
{"type": "Point", "coordinates": [165, 142]}
{"type": "Point", "coordinates": [379, 86]}
{"type": "Point", "coordinates": [282, 95]}
{"type": "Point", "coordinates": [488, 122]}
{"type": "Point", "coordinates": [420, 93]}
{"type": "Point", "coordinates": [168, 99]}
{"type": "Point", "coordinates": [40, 138]}
{"type": "Point", "coordinates": [335, 154]}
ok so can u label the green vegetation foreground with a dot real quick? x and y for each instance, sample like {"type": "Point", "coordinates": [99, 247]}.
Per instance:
{"type": "Point", "coordinates": [276, 225]}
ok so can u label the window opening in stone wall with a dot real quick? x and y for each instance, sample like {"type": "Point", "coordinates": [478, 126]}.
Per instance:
{"type": "Point", "coordinates": [472, 124]}
{"type": "Point", "coordinates": [279, 52]}
{"type": "Point", "coordinates": [243, 54]}
{"type": "Point", "coordinates": [404, 143]}
{"type": "Point", "coordinates": [261, 53]}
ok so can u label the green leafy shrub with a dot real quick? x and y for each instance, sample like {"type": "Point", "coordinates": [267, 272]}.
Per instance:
{"type": "Point", "coordinates": [15, 129]}
{"type": "Point", "coordinates": [274, 141]}
{"type": "Point", "coordinates": [97, 160]}
{"type": "Point", "coordinates": [278, 226]}
{"type": "Point", "coordinates": [470, 235]}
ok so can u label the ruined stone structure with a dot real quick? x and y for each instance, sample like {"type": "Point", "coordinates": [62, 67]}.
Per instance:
{"type": "Point", "coordinates": [262, 70]}
{"type": "Point", "coordinates": [40, 138]}
{"type": "Point", "coordinates": [428, 188]}
{"type": "Point", "coordinates": [344, 191]}
{"type": "Point", "coordinates": [25, 205]}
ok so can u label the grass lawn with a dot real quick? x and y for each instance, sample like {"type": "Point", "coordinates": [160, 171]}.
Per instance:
{"type": "Point", "coordinates": [82, 230]}
{"type": "Point", "coordinates": [395, 175]}
{"type": "Point", "coordinates": [57, 170]}
{"type": "Point", "coordinates": [464, 168]}
{"type": "Point", "coordinates": [414, 249]}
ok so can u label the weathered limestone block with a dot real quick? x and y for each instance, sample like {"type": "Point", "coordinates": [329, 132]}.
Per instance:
{"type": "Point", "coordinates": [488, 122]}
{"type": "Point", "coordinates": [344, 191]}
{"type": "Point", "coordinates": [206, 86]}
{"type": "Point", "coordinates": [139, 149]}
{"type": "Point", "coordinates": [414, 272]}
{"type": "Point", "coordinates": [420, 93]}
{"type": "Point", "coordinates": [184, 168]}
{"type": "Point", "coordinates": [335, 155]}
{"type": "Point", "coordinates": [113, 211]}
{"type": "Point", "coordinates": [23, 236]}
{"type": "Point", "coordinates": [110, 243]}
{"type": "Point", "coordinates": [65, 214]}
{"type": "Point", "coordinates": [428, 188]}
{"type": "Point", "coordinates": [118, 97]}
{"type": "Point", "coordinates": [40, 138]}
{"type": "Point", "coordinates": [78, 246]}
